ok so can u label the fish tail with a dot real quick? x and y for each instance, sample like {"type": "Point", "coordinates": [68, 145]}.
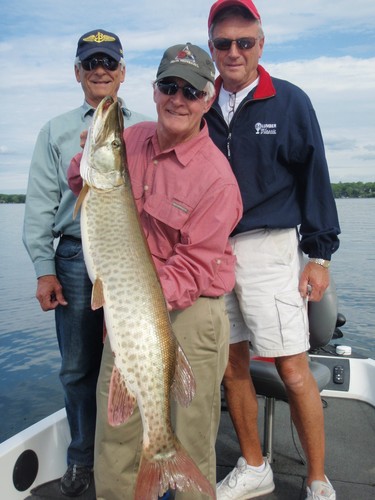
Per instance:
{"type": "Point", "coordinates": [179, 472]}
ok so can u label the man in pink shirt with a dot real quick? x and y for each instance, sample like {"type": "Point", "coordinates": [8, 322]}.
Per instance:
{"type": "Point", "coordinates": [189, 203]}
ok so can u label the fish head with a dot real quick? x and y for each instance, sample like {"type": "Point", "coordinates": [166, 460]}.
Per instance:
{"type": "Point", "coordinates": [103, 159]}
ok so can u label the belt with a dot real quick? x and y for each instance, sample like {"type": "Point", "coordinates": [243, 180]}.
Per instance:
{"type": "Point", "coordinates": [70, 238]}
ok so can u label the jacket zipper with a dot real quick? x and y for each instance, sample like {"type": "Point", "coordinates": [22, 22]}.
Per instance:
{"type": "Point", "coordinates": [229, 136]}
{"type": "Point", "coordinates": [228, 145]}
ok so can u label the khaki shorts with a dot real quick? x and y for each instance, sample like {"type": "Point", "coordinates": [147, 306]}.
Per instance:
{"type": "Point", "coordinates": [266, 307]}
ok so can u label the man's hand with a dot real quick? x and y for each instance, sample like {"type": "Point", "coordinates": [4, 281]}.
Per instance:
{"type": "Point", "coordinates": [83, 138]}
{"type": "Point", "coordinates": [49, 293]}
{"type": "Point", "coordinates": [313, 281]}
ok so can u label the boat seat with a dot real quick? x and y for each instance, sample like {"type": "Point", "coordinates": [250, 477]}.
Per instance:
{"type": "Point", "coordinates": [267, 382]}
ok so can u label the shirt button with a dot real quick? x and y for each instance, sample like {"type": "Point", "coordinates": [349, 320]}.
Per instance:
{"type": "Point", "coordinates": [145, 187]}
{"type": "Point", "coordinates": [155, 162]}
{"type": "Point", "coordinates": [218, 261]}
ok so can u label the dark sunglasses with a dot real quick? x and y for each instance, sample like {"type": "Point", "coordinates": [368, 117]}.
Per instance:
{"type": "Point", "coordinates": [242, 43]}
{"type": "Point", "coordinates": [105, 62]}
{"type": "Point", "coordinates": [189, 92]}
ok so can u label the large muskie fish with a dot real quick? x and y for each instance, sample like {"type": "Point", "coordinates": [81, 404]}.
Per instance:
{"type": "Point", "coordinates": [149, 364]}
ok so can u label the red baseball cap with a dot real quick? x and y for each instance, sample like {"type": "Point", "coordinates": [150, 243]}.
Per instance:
{"type": "Point", "coordinates": [223, 4]}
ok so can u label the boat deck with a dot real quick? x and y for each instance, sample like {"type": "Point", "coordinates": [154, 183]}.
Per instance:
{"type": "Point", "coordinates": [350, 450]}
{"type": "Point", "coordinates": [350, 457]}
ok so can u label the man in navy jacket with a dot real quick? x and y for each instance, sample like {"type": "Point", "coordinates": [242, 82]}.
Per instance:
{"type": "Point", "coordinates": [268, 130]}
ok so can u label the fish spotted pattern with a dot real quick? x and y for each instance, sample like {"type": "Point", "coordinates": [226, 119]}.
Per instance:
{"type": "Point", "coordinates": [149, 365]}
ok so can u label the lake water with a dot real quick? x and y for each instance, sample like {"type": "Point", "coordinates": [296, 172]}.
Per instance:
{"type": "Point", "coordinates": [29, 360]}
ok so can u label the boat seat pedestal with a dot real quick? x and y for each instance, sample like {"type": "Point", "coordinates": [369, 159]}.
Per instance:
{"type": "Point", "coordinates": [268, 383]}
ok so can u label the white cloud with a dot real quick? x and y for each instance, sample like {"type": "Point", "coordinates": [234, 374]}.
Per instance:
{"type": "Point", "coordinates": [342, 92]}
{"type": "Point", "coordinates": [326, 48]}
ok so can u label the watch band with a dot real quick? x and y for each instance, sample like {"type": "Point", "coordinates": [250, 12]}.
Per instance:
{"type": "Point", "coordinates": [321, 262]}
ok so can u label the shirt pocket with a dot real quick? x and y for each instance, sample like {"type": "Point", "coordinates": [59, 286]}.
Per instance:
{"type": "Point", "coordinates": [171, 212]}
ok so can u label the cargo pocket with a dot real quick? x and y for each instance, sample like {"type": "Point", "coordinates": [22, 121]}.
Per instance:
{"type": "Point", "coordinates": [291, 310]}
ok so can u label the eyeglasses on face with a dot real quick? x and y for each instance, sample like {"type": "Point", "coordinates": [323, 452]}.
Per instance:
{"type": "Point", "coordinates": [106, 62]}
{"type": "Point", "coordinates": [242, 43]}
{"type": "Point", "coordinates": [188, 91]}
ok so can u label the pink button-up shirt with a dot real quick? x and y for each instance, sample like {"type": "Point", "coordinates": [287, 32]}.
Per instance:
{"type": "Point", "coordinates": [189, 203]}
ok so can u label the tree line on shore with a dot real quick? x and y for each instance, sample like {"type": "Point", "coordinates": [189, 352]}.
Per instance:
{"type": "Point", "coordinates": [354, 190]}
{"type": "Point", "coordinates": [340, 190]}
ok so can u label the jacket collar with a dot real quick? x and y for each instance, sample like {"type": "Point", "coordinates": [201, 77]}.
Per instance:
{"type": "Point", "coordinates": [263, 90]}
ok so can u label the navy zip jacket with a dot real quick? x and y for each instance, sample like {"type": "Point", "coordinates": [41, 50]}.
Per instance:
{"type": "Point", "coordinates": [275, 147]}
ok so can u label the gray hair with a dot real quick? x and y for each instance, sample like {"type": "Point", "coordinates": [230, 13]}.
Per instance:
{"type": "Point", "coordinates": [77, 62]}
{"type": "Point", "coordinates": [210, 91]}
{"type": "Point", "coordinates": [235, 11]}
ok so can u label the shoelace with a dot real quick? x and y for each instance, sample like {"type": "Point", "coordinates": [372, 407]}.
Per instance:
{"type": "Point", "coordinates": [319, 496]}
{"type": "Point", "coordinates": [322, 493]}
{"type": "Point", "coordinates": [74, 472]}
{"type": "Point", "coordinates": [232, 481]}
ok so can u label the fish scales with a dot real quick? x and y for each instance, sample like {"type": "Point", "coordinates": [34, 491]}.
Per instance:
{"type": "Point", "coordinates": [149, 364]}
{"type": "Point", "coordinates": [134, 301]}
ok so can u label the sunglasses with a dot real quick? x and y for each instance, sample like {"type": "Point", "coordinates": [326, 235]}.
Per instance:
{"type": "Point", "coordinates": [242, 43]}
{"type": "Point", "coordinates": [105, 62]}
{"type": "Point", "coordinates": [171, 88]}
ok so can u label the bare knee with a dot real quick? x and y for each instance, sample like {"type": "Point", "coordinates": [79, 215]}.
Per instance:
{"type": "Point", "coordinates": [294, 372]}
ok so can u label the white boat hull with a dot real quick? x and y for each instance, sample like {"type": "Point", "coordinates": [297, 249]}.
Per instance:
{"type": "Point", "coordinates": [361, 375]}
{"type": "Point", "coordinates": [49, 440]}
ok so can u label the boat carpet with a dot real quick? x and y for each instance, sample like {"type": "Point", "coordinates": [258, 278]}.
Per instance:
{"type": "Point", "coordinates": [350, 450]}
{"type": "Point", "coordinates": [51, 490]}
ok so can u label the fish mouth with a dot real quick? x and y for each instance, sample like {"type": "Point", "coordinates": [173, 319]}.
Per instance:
{"type": "Point", "coordinates": [106, 118]}
{"type": "Point", "coordinates": [106, 103]}
{"type": "Point", "coordinates": [103, 107]}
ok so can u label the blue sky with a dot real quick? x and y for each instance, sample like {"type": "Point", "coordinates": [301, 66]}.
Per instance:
{"type": "Point", "coordinates": [326, 48]}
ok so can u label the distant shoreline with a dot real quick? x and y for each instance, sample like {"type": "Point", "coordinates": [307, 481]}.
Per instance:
{"type": "Point", "coordinates": [340, 190]}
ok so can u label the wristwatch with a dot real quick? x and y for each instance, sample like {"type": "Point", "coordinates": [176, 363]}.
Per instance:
{"type": "Point", "coordinates": [321, 262]}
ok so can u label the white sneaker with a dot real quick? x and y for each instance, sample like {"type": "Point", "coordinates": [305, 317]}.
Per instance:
{"type": "Point", "coordinates": [320, 490]}
{"type": "Point", "coordinates": [243, 483]}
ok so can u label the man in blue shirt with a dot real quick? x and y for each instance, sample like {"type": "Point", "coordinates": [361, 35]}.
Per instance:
{"type": "Point", "coordinates": [63, 283]}
{"type": "Point", "coordinates": [268, 130]}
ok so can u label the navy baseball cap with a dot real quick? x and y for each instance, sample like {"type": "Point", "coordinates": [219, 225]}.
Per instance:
{"type": "Point", "coordinates": [99, 41]}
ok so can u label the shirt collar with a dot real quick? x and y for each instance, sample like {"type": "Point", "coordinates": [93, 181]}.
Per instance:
{"type": "Point", "coordinates": [88, 110]}
{"type": "Point", "coordinates": [184, 151]}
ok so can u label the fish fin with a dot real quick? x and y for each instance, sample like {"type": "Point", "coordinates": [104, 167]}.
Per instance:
{"type": "Point", "coordinates": [121, 401]}
{"type": "Point", "coordinates": [179, 472]}
{"type": "Point", "coordinates": [81, 197]}
{"type": "Point", "coordinates": [97, 295]}
{"type": "Point", "coordinates": [183, 386]}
